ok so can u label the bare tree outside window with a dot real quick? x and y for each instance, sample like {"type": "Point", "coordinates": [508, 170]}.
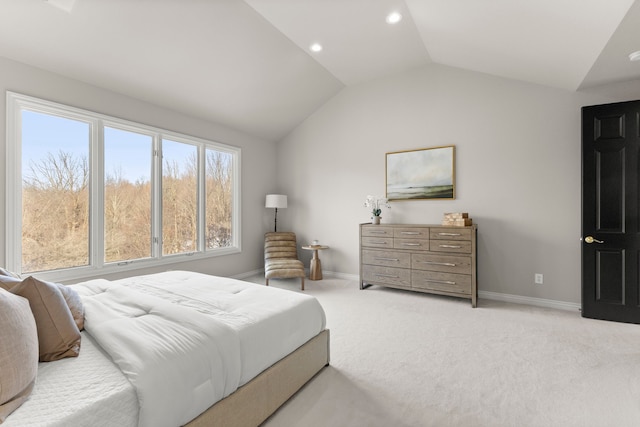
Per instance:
{"type": "Point", "coordinates": [55, 213]}
{"type": "Point", "coordinates": [55, 193]}
{"type": "Point", "coordinates": [179, 198]}
{"type": "Point", "coordinates": [55, 199]}
{"type": "Point", "coordinates": [219, 204]}
{"type": "Point", "coordinates": [127, 195]}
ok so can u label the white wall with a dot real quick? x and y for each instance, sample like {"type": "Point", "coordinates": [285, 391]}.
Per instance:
{"type": "Point", "coordinates": [258, 156]}
{"type": "Point", "coordinates": [518, 171]}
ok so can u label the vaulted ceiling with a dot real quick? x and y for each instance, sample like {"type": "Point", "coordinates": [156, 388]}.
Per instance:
{"type": "Point", "coordinates": [247, 64]}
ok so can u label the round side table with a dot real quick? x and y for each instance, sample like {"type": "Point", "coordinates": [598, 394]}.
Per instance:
{"type": "Point", "coordinates": [315, 269]}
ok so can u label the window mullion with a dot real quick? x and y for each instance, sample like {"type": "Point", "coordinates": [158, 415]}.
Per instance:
{"type": "Point", "coordinates": [156, 197]}
{"type": "Point", "coordinates": [237, 206]}
{"type": "Point", "coordinates": [13, 231]}
{"type": "Point", "coordinates": [201, 199]}
{"type": "Point", "coordinates": [96, 174]}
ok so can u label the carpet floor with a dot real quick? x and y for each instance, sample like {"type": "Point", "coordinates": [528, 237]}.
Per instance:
{"type": "Point", "coordinates": [400, 359]}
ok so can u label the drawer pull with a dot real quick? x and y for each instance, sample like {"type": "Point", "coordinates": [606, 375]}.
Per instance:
{"type": "Point", "coordinates": [449, 234]}
{"type": "Point", "coordinates": [450, 246]}
{"type": "Point", "coordinates": [386, 259]}
{"type": "Point", "coordinates": [377, 232]}
{"type": "Point", "coordinates": [387, 275]}
{"type": "Point", "coordinates": [444, 282]}
{"type": "Point", "coordinates": [412, 233]}
{"type": "Point", "coordinates": [448, 264]}
{"type": "Point", "coordinates": [379, 243]}
{"type": "Point", "coordinates": [411, 244]}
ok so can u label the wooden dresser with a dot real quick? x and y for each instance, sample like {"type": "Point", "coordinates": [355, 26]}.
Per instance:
{"type": "Point", "coordinates": [424, 258]}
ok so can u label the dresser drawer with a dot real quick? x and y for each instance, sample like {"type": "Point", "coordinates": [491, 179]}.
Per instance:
{"type": "Point", "coordinates": [442, 263]}
{"type": "Point", "coordinates": [444, 282]}
{"type": "Point", "coordinates": [378, 242]}
{"type": "Point", "coordinates": [453, 246]}
{"type": "Point", "coordinates": [386, 258]}
{"type": "Point", "coordinates": [450, 233]}
{"type": "Point", "coordinates": [413, 244]}
{"type": "Point", "coordinates": [387, 275]}
{"type": "Point", "coordinates": [411, 233]}
{"type": "Point", "coordinates": [377, 231]}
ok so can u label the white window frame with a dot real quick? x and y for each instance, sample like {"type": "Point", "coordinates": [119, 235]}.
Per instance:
{"type": "Point", "coordinates": [16, 103]}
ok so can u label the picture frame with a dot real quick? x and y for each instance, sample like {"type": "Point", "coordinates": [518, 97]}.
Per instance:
{"type": "Point", "coordinates": [426, 173]}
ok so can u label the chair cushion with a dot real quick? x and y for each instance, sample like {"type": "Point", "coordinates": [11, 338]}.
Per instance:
{"type": "Point", "coordinates": [280, 235]}
{"type": "Point", "coordinates": [283, 268]}
{"type": "Point", "coordinates": [280, 245]}
{"type": "Point", "coordinates": [293, 254]}
{"type": "Point", "coordinates": [281, 256]}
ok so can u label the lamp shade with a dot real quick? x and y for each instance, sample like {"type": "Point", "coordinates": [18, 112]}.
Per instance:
{"type": "Point", "coordinates": [276, 201]}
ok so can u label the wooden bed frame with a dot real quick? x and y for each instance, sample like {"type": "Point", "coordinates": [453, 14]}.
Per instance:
{"type": "Point", "coordinates": [254, 402]}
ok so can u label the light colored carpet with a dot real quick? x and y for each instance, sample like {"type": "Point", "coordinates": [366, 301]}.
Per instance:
{"type": "Point", "coordinates": [407, 359]}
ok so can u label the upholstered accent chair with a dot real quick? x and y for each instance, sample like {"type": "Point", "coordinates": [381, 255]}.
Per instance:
{"type": "Point", "coordinates": [281, 257]}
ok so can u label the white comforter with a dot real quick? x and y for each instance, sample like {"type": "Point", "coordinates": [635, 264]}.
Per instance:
{"type": "Point", "coordinates": [186, 340]}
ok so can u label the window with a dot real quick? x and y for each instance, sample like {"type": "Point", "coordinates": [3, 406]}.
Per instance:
{"type": "Point", "coordinates": [88, 191]}
{"type": "Point", "coordinates": [55, 192]}
{"type": "Point", "coordinates": [219, 186]}
{"type": "Point", "coordinates": [179, 198]}
{"type": "Point", "coordinates": [127, 195]}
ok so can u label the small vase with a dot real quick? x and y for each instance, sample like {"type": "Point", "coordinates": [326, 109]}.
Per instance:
{"type": "Point", "coordinates": [375, 220]}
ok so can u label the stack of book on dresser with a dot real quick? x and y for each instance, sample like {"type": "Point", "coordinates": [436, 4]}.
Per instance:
{"type": "Point", "coordinates": [457, 219]}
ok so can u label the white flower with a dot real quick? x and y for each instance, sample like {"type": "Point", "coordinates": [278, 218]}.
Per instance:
{"type": "Point", "coordinates": [375, 203]}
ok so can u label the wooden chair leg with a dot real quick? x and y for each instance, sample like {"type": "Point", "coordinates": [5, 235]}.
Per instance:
{"type": "Point", "coordinates": [267, 280]}
{"type": "Point", "coordinates": [302, 286]}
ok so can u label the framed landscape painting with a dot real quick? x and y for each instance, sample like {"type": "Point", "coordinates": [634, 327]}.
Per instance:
{"type": "Point", "coordinates": [428, 173]}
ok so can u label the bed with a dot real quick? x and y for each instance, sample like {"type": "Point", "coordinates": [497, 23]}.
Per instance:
{"type": "Point", "coordinates": [180, 348]}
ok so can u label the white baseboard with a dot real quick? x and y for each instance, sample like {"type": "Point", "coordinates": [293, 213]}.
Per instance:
{"type": "Point", "coordinates": [516, 299]}
{"type": "Point", "coordinates": [244, 275]}
{"type": "Point", "coordinates": [343, 276]}
{"type": "Point", "coordinates": [539, 302]}
{"type": "Point", "coordinates": [327, 274]}
{"type": "Point", "coordinates": [495, 296]}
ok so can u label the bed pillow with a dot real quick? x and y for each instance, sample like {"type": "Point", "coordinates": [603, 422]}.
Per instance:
{"type": "Point", "coordinates": [71, 297]}
{"type": "Point", "coordinates": [74, 302]}
{"type": "Point", "coordinates": [18, 352]}
{"type": "Point", "coordinates": [8, 282]}
{"type": "Point", "coordinates": [58, 335]}
{"type": "Point", "coordinates": [4, 272]}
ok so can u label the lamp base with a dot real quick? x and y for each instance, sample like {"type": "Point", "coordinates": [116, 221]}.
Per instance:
{"type": "Point", "coordinates": [275, 221]}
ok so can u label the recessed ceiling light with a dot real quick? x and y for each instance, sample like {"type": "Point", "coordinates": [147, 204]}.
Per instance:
{"type": "Point", "coordinates": [393, 18]}
{"type": "Point", "coordinates": [316, 47]}
{"type": "Point", "coordinates": [635, 56]}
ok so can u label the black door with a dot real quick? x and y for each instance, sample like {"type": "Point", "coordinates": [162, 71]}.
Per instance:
{"type": "Point", "coordinates": [610, 220]}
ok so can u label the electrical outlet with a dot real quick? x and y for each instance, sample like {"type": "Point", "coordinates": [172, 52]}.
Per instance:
{"type": "Point", "coordinates": [539, 279]}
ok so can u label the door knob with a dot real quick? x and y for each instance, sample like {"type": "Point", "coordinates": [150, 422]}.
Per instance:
{"type": "Point", "coordinates": [590, 239]}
